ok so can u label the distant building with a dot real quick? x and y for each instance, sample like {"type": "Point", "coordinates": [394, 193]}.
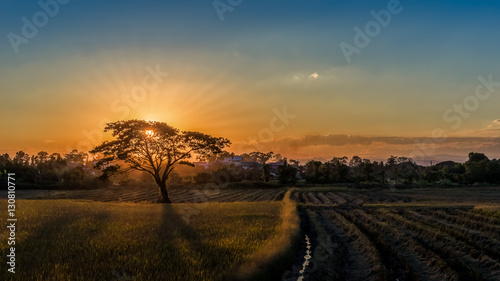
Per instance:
{"type": "Point", "coordinates": [275, 165]}
{"type": "Point", "coordinates": [238, 161]}
{"type": "Point", "coordinates": [234, 159]}
{"type": "Point", "coordinates": [201, 164]}
{"type": "Point", "coordinates": [249, 165]}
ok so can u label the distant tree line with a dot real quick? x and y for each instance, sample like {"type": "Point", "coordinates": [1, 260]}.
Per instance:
{"type": "Point", "coordinates": [402, 170]}
{"type": "Point", "coordinates": [262, 175]}
{"type": "Point", "coordinates": [75, 170]}
{"type": "Point", "coordinates": [44, 170]}
{"type": "Point", "coordinates": [260, 171]}
{"type": "Point", "coordinates": [478, 169]}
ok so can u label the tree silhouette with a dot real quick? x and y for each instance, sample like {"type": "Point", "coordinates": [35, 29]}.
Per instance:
{"type": "Point", "coordinates": [261, 157]}
{"type": "Point", "coordinates": [155, 148]}
{"type": "Point", "coordinates": [287, 173]}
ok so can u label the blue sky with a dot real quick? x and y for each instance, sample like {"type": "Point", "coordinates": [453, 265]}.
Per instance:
{"type": "Point", "coordinates": [261, 57]}
{"type": "Point", "coordinates": [424, 30]}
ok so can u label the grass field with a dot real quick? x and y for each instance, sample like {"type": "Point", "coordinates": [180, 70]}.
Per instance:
{"type": "Point", "coordinates": [77, 240]}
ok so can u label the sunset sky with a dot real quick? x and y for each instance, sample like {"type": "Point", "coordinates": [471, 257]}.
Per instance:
{"type": "Point", "coordinates": [424, 72]}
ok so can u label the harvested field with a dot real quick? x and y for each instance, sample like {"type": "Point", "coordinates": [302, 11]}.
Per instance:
{"type": "Point", "coordinates": [415, 234]}
{"type": "Point", "coordinates": [150, 194]}
{"type": "Point", "coordinates": [407, 236]}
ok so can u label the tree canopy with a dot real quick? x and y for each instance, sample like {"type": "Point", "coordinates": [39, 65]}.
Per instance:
{"type": "Point", "coordinates": [155, 148]}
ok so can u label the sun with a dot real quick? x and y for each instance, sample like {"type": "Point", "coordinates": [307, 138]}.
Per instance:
{"type": "Point", "coordinates": [150, 133]}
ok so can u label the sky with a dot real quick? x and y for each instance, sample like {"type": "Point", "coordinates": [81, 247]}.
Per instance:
{"type": "Point", "coordinates": [307, 79]}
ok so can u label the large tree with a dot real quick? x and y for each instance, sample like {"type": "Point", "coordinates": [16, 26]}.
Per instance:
{"type": "Point", "coordinates": [155, 148]}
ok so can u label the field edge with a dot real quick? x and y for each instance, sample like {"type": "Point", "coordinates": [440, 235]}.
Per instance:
{"type": "Point", "coordinates": [277, 254]}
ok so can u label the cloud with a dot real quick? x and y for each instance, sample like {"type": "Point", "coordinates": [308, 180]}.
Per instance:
{"type": "Point", "coordinates": [341, 140]}
{"type": "Point", "coordinates": [315, 75]}
{"type": "Point", "coordinates": [492, 130]}
{"type": "Point", "coordinates": [298, 77]}
{"type": "Point", "coordinates": [495, 125]}
{"type": "Point", "coordinates": [423, 149]}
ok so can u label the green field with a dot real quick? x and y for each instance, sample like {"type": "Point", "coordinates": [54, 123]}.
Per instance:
{"type": "Point", "coordinates": [80, 240]}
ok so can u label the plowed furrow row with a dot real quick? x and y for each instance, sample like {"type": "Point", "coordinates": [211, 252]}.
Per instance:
{"type": "Point", "coordinates": [362, 260]}
{"type": "Point", "coordinates": [486, 243]}
{"type": "Point", "coordinates": [462, 257]}
{"type": "Point", "coordinates": [335, 198]}
{"type": "Point", "coordinates": [424, 264]}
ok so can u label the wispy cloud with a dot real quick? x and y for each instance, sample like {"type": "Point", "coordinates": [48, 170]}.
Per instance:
{"type": "Point", "coordinates": [492, 130]}
{"type": "Point", "coordinates": [378, 147]}
{"type": "Point", "coordinates": [315, 75]}
{"type": "Point", "coordinates": [301, 76]}
{"type": "Point", "coordinates": [342, 140]}
{"type": "Point", "coordinates": [495, 125]}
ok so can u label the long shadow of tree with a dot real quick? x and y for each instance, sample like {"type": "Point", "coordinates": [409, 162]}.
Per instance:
{"type": "Point", "coordinates": [53, 250]}
{"type": "Point", "coordinates": [193, 256]}
{"type": "Point", "coordinates": [156, 242]}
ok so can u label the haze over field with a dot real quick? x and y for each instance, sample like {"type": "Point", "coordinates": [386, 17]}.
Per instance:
{"type": "Point", "coordinates": [301, 78]}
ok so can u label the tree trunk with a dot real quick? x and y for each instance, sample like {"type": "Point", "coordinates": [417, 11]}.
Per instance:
{"type": "Point", "coordinates": [163, 193]}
